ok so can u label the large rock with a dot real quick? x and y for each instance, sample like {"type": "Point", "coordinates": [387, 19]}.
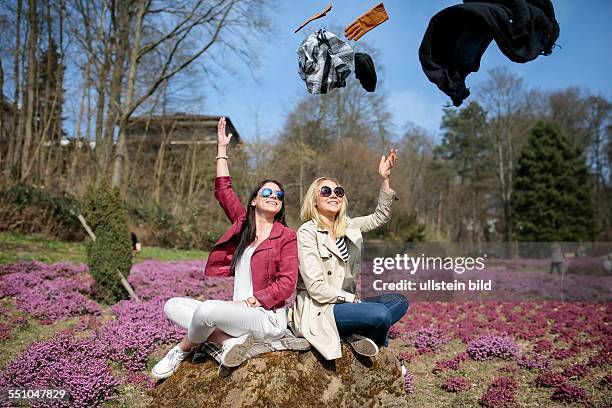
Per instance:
{"type": "Point", "coordinates": [288, 379]}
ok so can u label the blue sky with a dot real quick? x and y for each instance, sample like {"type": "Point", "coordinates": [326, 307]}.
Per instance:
{"type": "Point", "coordinates": [265, 97]}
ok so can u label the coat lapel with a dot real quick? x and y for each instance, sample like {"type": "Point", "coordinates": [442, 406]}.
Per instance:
{"type": "Point", "coordinates": [329, 243]}
{"type": "Point", "coordinates": [277, 230]}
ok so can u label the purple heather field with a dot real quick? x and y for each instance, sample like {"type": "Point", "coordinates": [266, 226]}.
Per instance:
{"type": "Point", "coordinates": [561, 343]}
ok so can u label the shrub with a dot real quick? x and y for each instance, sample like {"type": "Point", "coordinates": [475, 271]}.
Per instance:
{"type": "Point", "coordinates": [488, 346]}
{"type": "Point", "coordinates": [430, 339]}
{"type": "Point", "coordinates": [452, 364]}
{"type": "Point", "coordinates": [29, 210]}
{"type": "Point", "coordinates": [76, 365]}
{"type": "Point", "coordinates": [569, 393]}
{"type": "Point", "coordinates": [409, 383]}
{"type": "Point", "coordinates": [48, 292]}
{"type": "Point", "coordinates": [456, 384]}
{"type": "Point", "coordinates": [550, 379]}
{"type": "Point", "coordinates": [533, 361]}
{"type": "Point", "coordinates": [137, 330]}
{"type": "Point", "coordinates": [501, 393]}
{"type": "Point", "coordinates": [576, 371]}
{"type": "Point", "coordinates": [112, 250]}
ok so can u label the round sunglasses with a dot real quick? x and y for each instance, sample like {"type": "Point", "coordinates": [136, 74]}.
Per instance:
{"type": "Point", "coordinates": [268, 192]}
{"type": "Point", "coordinates": [326, 191]}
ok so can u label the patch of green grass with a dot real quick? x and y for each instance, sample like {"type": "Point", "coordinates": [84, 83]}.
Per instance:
{"type": "Point", "coordinates": [16, 247]}
{"type": "Point", "coordinates": [168, 254]}
{"type": "Point", "coordinates": [128, 396]}
{"type": "Point", "coordinates": [28, 334]}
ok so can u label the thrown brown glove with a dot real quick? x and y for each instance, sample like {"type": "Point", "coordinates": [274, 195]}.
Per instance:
{"type": "Point", "coordinates": [318, 15]}
{"type": "Point", "coordinates": [374, 17]}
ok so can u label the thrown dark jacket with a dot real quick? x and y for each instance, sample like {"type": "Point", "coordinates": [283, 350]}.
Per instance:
{"type": "Point", "coordinates": [457, 37]}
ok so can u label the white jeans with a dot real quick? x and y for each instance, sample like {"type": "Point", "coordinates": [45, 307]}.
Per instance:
{"type": "Point", "coordinates": [201, 318]}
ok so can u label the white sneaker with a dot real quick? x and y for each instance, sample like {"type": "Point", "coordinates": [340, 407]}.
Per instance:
{"type": "Point", "coordinates": [169, 364]}
{"type": "Point", "coordinates": [235, 350]}
{"type": "Point", "coordinates": [362, 345]}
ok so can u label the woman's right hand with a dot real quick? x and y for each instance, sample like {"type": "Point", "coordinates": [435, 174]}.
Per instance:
{"type": "Point", "coordinates": [222, 139]}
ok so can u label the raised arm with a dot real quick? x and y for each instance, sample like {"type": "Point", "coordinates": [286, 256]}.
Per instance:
{"type": "Point", "coordinates": [224, 193]}
{"type": "Point", "coordinates": [382, 213]}
{"type": "Point", "coordinates": [223, 141]}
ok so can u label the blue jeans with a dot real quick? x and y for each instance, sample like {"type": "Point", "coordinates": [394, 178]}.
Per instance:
{"type": "Point", "coordinates": [372, 317]}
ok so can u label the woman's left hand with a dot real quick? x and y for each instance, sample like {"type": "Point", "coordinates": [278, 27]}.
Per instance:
{"type": "Point", "coordinates": [252, 301]}
{"type": "Point", "coordinates": [387, 163]}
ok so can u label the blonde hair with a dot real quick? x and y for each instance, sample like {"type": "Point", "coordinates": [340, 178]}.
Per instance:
{"type": "Point", "coordinates": [309, 209]}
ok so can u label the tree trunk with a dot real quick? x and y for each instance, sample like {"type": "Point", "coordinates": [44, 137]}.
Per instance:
{"type": "Point", "coordinates": [159, 160]}
{"type": "Point", "coordinates": [439, 214]}
{"type": "Point", "coordinates": [121, 32]}
{"type": "Point", "coordinates": [59, 98]}
{"type": "Point", "coordinates": [47, 115]}
{"type": "Point", "coordinates": [159, 168]}
{"type": "Point", "coordinates": [30, 104]}
{"type": "Point", "coordinates": [12, 155]}
{"type": "Point", "coordinates": [2, 142]}
{"type": "Point", "coordinates": [121, 151]}
{"type": "Point", "coordinates": [79, 138]}
{"type": "Point", "coordinates": [101, 154]}
{"type": "Point", "coordinates": [509, 186]}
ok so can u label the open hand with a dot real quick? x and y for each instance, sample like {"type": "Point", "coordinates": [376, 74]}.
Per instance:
{"type": "Point", "coordinates": [222, 139]}
{"type": "Point", "coordinates": [387, 163]}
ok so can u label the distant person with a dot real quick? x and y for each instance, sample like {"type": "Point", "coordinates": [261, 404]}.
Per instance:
{"type": "Point", "coordinates": [260, 251]}
{"type": "Point", "coordinates": [135, 244]}
{"type": "Point", "coordinates": [607, 264]}
{"type": "Point", "coordinates": [557, 258]}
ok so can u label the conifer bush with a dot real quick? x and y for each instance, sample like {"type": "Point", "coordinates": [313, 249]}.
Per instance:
{"type": "Point", "coordinates": [553, 193]}
{"type": "Point", "coordinates": [105, 213]}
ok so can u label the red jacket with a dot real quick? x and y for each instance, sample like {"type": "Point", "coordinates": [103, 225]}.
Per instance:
{"type": "Point", "coordinates": [274, 264]}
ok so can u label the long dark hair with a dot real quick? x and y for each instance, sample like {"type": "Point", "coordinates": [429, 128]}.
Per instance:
{"type": "Point", "coordinates": [247, 233]}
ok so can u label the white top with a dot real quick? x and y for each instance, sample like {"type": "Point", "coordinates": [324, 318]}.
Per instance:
{"type": "Point", "coordinates": [243, 280]}
{"type": "Point", "coordinates": [243, 288]}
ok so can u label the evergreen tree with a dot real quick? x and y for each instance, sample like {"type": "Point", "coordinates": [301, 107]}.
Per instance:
{"type": "Point", "coordinates": [467, 155]}
{"type": "Point", "coordinates": [553, 196]}
{"type": "Point", "coordinates": [464, 141]}
{"type": "Point", "coordinates": [106, 215]}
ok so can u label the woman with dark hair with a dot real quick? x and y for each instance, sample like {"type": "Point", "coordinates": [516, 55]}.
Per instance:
{"type": "Point", "coordinates": [260, 251]}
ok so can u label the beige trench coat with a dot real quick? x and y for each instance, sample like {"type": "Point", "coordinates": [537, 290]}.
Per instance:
{"type": "Point", "coordinates": [323, 274]}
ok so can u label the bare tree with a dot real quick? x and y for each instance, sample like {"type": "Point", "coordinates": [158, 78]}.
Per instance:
{"type": "Point", "coordinates": [2, 107]}
{"type": "Point", "coordinates": [214, 16]}
{"type": "Point", "coordinates": [504, 98]}
{"type": "Point", "coordinates": [30, 102]}
{"type": "Point", "coordinates": [12, 159]}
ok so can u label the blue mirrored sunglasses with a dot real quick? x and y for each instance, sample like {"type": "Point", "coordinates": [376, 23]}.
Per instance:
{"type": "Point", "coordinates": [268, 192]}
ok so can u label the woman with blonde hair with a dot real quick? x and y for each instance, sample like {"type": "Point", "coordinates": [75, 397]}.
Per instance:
{"type": "Point", "coordinates": [329, 253]}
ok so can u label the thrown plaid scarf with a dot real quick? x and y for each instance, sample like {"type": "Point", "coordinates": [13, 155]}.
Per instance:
{"type": "Point", "coordinates": [287, 342]}
{"type": "Point", "coordinates": [324, 61]}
